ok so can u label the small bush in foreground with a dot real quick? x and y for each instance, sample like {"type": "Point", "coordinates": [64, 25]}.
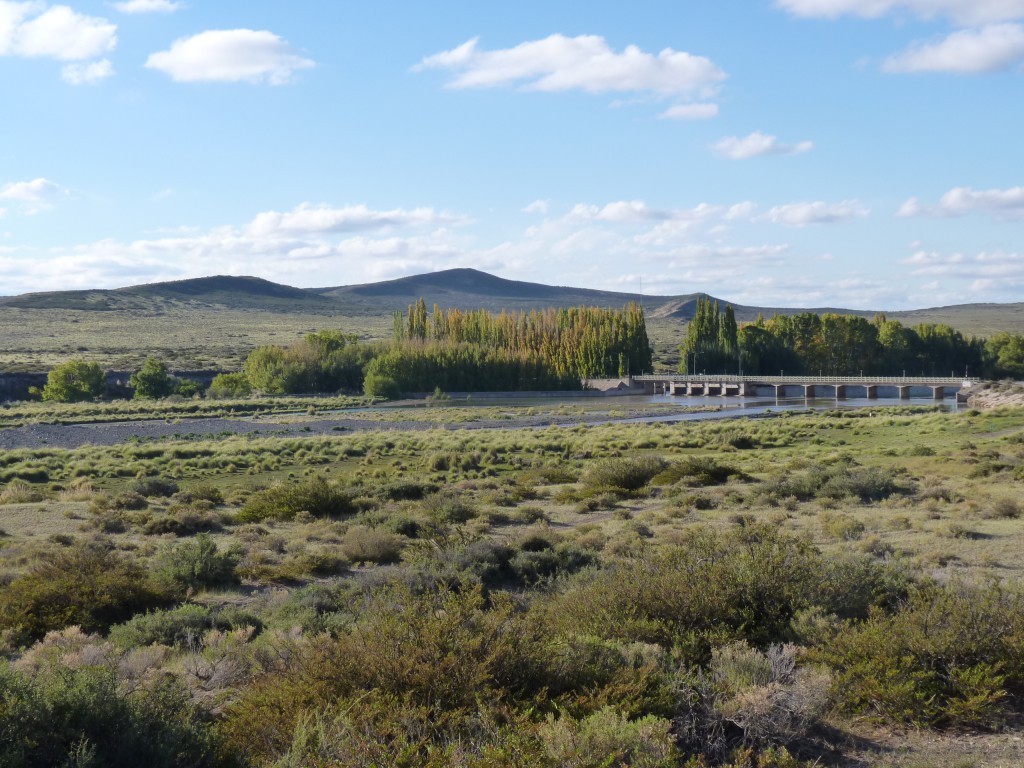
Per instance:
{"type": "Point", "coordinates": [622, 474]}
{"type": "Point", "coordinates": [87, 585]}
{"type": "Point", "coordinates": [198, 564]}
{"type": "Point", "coordinates": [283, 502]}
{"type": "Point", "coordinates": [951, 657]}
{"type": "Point", "coordinates": [83, 717]}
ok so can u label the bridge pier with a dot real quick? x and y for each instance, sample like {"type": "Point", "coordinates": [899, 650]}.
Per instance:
{"type": "Point", "coordinates": [809, 391]}
{"type": "Point", "coordinates": [904, 392]}
{"type": "Point", "coordinates": [871, 392]}
{"type": "Point", "coordinates": [938, 393]}
{"type": "Point", "coordinates": [840, 391]}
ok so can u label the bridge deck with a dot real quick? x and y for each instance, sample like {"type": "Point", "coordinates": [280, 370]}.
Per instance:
{"type": "Point", "coordinates": [882, 381]}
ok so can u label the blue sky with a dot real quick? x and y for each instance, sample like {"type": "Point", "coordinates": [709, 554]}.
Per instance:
{"type": "Point", "coordinates": [856, 153]}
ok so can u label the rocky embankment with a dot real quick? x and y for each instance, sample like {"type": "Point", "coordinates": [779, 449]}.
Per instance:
{"type": "Point", "coordinates": [996, 394]}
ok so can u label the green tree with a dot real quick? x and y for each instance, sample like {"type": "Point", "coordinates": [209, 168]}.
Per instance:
{"type": "Point", "coordinates": [153, 381]}
{"type": "Point", "coordinates": [1004, 355]}
{"type": "Point", "coordinates": [74, 382]}
{"type": "Point", "coordinates": [225, 385]}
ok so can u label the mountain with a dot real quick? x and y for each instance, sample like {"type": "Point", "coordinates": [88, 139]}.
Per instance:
{"type": "Point", "coordinates": [473, 288]}
{"type": "Point", "coordinates": [219, 291]}
{"type": "Point", "coordinates": [464, 288]}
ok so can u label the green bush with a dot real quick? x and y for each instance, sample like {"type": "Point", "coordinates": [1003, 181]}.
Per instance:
{"type": "Point", "coordinates": [198, 564]}
{"type": "Point", "coordinates": [87, 585]}
{"type": "Point", "coordinates": [153, 381]}
{"type": "Point", "coordinates": [378, 385]}
{"type": "Point", "coordinates": [75, 381]}
{"type": "Point", "coordinates": [153, 486]}
{"type": "Point", "coordinates": [283, 502]}
{"type": "Point", "coordinates": [950, 657]}
{"type": "Point", "coordinates": [608, 739]}
{"type": "Point", "coordinates": [371, 545]}
{"type": "Point", "coordinates": [182, 626]}
{"type": "Point", "coordinates": [229, 385]}
{"type": "Point", "coordinates": [622, 474]}
{"type": "Point", "coordinates": [697, 471]}
{"type": "Point", "coordinates": [79, 717]}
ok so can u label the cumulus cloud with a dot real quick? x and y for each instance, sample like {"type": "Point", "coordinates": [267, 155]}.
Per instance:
{"type": "Point", "coordinates": [149, 6]}
{"type": "Point", "coordinates": [32, 196]}
{"type": "Point", "coordinates": [756, 145]}
{"type": "Point", "coordinates": [585, 63]}
{"type": "Point", "coordinates": [960, 201]}
{"type": "Point", "coordinates": [87, 74]}
{"type": "Point", "coordinates": [988, 49]}
{"type": "Point", "coordinates": [818, 212]}
{"type": "Point", "coordinates": [34, 30]}
{"type": "Point", "coordinates": [695, 111]}
{"type": "Point", "coordinates": [230, 55]}
{"type": "Point", "coordinates": [538, 206]}
{"type": "Point", "coordinates": [991, 273]}
{"type": "Point", "coordinates": [309, 219]}
{"type": "Point", "coordinates": [969, 12]}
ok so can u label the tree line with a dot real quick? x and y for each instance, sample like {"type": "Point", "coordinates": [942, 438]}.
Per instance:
{"type": "Point", "coordinates": [458, 350]}
{"type": "Point", "coordinates": [579, 342]}
{"type": "Point", "coordinates": [841, 345]}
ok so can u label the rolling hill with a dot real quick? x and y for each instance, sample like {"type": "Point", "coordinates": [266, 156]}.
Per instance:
{"type": "Point", "coordinates": [465, 288]}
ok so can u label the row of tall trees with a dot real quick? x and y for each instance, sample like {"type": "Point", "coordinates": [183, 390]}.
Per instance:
{"type": "Point", "coordinates": [834, 344]}
{"type": "Point", "coordinates": [581, 342]}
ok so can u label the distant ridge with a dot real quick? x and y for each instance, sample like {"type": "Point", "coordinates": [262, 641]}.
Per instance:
{"type": "Point", "coordinates": [464, 288]}
{"type": "Point", "coordinates": [220, 290]}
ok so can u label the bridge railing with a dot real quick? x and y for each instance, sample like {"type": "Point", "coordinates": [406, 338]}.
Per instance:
{"type": "Point", "coordinates": [805, 380]}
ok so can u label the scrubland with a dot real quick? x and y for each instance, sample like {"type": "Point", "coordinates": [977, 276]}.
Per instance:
{"type": "Point", "coordinates": [841, 588]}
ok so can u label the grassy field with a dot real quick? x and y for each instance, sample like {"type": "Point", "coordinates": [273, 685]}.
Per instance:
{"type": "Point", "coordinates": [903, 501]}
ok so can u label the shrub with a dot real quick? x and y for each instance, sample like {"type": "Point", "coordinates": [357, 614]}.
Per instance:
{"type": "Point", "coordinates": [696, 472]}
{"type": "Point", "coordinates": [182, 626]}
{"type": "Point", "coordinates": [948, 658]}
{"type": "Point", "coordinates": [608, 738]}
{"type": "Point", "coordinates": [448, 507]}
{"type": "Point", "coordinates": [75, 381]}
{"type": "Point", "coordinates": [378, 385]}
{"type": "Point", "coordinates": [19, 491]}
{"type": "Point", "coordinates": [622, 474]}
{"type": "Point", "coordinates": [153, 381]}
{"type": "Point", "coordinates": [202, 492]}
{"type": "Point", "coordinates": [86, 585]}
{"type": "Point", "coordinates": [198, 564]}
{"type": "Point", "coordinates": [83, 717]}
{"type": "Point", "coordinates": [283, 502]}
{"type": "Point", "coordinates": [153, 486]}
{"type": "Point", "coordinates": [371, 545]}
{"type": "Point", "coordinates": [229, 385]}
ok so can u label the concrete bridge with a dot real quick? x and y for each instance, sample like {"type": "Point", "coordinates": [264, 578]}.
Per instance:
{"type": "Point", "coordinates": [839, 387]}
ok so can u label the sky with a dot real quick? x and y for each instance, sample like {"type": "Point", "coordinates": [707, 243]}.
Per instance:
{"type": "Point", "coordinates": [849, 153]}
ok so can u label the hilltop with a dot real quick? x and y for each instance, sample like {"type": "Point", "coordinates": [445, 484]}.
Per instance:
{"type": "Point", "coordinates": [464, 288]}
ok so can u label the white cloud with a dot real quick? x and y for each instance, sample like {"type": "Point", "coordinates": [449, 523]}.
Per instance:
{"type": "Point", "coordinates": [991, 48]}
{"type": "Point", "coordinates": [30, 192]}
{"type": "Point", "coordinates": [757, 144]}
{"type": "Point", "coordinates": [696, 111]}
{"type": "Point", "coordinates": [538, 206]}
{"type": "Point", "coordinates": [960, 201]}
{"type": "Point", "coordinates": [988, 272]}
{"type": "Point", "coordinates": [231, 55]}
{"type": "Point", "coordinates": [34, 195]}
{"type": "Point", "coordinates": [818, 212]}
{"type": "Point", "coordinates": [87, 74]}
{"type": "Point", "coordinates": [149, 6]}
{"type": "Point", "coordinates": [586, 63]}
{"type": "Point", "coordinates": [33, 30]}
{"type": "Point", "coordinates": [308, 219]}
{"type": "Point", "coordinates": [969, 12]}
